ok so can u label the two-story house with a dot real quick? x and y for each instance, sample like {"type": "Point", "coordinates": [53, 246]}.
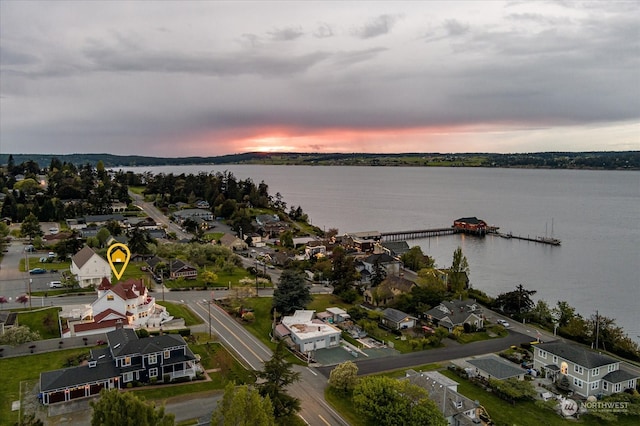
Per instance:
{"type": "Point", "coordinates": [378, 261]}
{"type": "Point", "coordinates": [388, 290]}
{"type": "Point", "coordinates": [126, 359]}
{"type": "Point", "coordinates": [89, 268]}
{"type": "Point", "coordinates": [589, 372]}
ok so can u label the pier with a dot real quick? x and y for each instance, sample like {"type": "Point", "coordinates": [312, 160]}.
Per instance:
{"type": "Point", "coordinates": [412, 235]}
{"type": "Point", "coordinates": [541, 240]}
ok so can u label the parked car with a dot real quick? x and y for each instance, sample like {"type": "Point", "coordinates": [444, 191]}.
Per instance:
{"type": "Point", "coordinates": [37, 271]}
{"type": "Point", "coordinates": [503, 323]}
{"type": "Point", "coordinates": [55, 284]}
{"type": "Point", "coordinates": [52, 254]}
{"type": "Point", "coordinates": [30, 248]}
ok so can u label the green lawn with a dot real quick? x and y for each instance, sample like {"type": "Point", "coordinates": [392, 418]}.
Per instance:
{"type": "Point", "coordinates": [224, 280]}
{"type": "Point", "coordinates": [182, 311]}
{"type": "Point", "coordinates": [321, 302]}
{"type": "Point", "coordinates": [44, 321]}
{"type": "Point", "coordinates": [523, 413]}
{"type": "Point", "coordinates": [15, 370]}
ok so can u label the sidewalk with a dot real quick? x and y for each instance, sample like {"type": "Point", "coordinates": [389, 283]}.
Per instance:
{"type": "Point", "coordinates": [41, 346]}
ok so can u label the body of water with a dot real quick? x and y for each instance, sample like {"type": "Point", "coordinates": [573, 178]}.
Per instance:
{"type": "Point", "coordinates": [596, 214]}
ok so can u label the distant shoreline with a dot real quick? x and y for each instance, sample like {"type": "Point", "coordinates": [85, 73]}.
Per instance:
{"type": "Point", "coordinates": [599, 160]}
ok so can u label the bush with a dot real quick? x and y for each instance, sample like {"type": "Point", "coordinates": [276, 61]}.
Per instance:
{"type": "Point", "coordinates": [166, 378]}
{"type": "Point", "coordinates": [185, 332]}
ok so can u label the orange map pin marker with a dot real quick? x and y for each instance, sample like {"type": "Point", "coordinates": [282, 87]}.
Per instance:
{"type": "Point", "coordinates": [118, 256]}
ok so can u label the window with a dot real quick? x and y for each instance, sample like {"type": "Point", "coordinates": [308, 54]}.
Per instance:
{"type": "Point", "coordinates": [153, 372]}
{"type": "Point", "coordinates": [596, 372]}
{"type": "Point", "coordinates": [109, 296]}
{"type": "Point", "coordinates": [617, 387]}
{"type": "Point", "coordinates": [605, 385]}
{"type": "Point", "coordinates": [631, 384]}
{"type": "Point", "coordinates": [611, 367]}
{"type": "Point", "coordinates": [555, 359]}
{"type": "Point", "coordinates": [167, 354]}
{"type": "Point", "coordinates": [127, 377]}
{"type": "Point", "coordinates": [126, 361]}
{"type": "Point", "coordinates": [542, 354]}
{"type": "Point", "coordinates": [594, 385]}
{"type": "Point", "coordinates": [577, 382]}
{"type": "Point", "coordinates": [577, 369]}
{"type": "Point", "coordinates": [153, 359]}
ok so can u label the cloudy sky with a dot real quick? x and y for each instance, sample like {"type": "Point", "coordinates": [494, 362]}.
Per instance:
{"type": "Point", "coordinates": [180, 78]}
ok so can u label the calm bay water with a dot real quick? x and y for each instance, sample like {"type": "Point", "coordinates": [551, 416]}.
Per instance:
{"type": "Point", "coordinates": [596, 214]}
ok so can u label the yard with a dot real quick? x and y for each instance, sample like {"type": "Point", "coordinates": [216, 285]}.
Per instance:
{"type": "Point", "coordinates": [44, 321]}
{"type": "Point", "coordinates": [181, 311]}
{"type": "Point", "coordinates": [213, 356]}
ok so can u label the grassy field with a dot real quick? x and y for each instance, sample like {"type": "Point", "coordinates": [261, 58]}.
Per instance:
{"type": "Point", "coordinates": [44, 321]}
{"type": "Point", "coordinates": [15, 370]}
{"type": "Point", "coordinates": [181, 311]}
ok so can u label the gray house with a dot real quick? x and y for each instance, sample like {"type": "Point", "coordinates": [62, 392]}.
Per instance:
{"type": "Point", "coordinates": [398, 320]}
{"type": "Point", "coordinates": [589, 372]}
{"type": "Point", "coordinates": [450, 314]}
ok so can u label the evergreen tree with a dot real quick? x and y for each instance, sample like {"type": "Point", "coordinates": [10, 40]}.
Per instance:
{"type": "Point", "coordinates": [292, 292]}
{"type": "Point", "coordinates": [277, 375]}
{"type": "Point", "coordinates": [31, 227]}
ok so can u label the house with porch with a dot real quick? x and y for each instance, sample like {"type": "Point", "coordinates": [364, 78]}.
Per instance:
{"type": "Point", "coordinates": [589, 372]}
{"type": "Point", "coordinates": [89, 268]}
{"type": "Point", "coordinates": [126, 359]}
{"type": "Point", "coordinates": [453, 313]}
{"type": "Point", "coordinates": [232, 242]}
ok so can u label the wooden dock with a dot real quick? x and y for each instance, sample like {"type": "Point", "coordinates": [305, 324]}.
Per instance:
{"type": "Point", "coordinates": [412, 235]}
{"type": "Point", "coordinates": [541, 240]}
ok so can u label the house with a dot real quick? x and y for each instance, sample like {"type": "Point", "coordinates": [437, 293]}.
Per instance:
{"type": "Point", "coordinates": [308, 333]}
{"type": "Point", "coordinates": [315, 249]}
{"type": "Point", "coordinates": [176, 268]}
{"type": "Point", "coordinates": [589, 372]}
{"type": "Point", "coordinates": [456, 408]}
{"type": "Point", "coordinates": [370, 263]}
{"type": "Point", "coordinates": [185, 214]}
{"type": "Point", "coordinates": [125, 360]}
{"type": "Point", "coordinates": [232, 242]}
{"type": "Point", "coordinates": [362, 241]}
{"type": "Point", "coordinates": [89, 268]}
{"type": "Point", "coordinates": [388, 290]}
{"type": "Point", "coordinates": [398, 320]}
{"type": "Point", "coordinates": [493, 367]}
{"type": "Point", "coordinates": [338, 315]}
{"type": "Point", "coordinates": [180, 269]}
{"type": "Point", "coordinates": [395, 248]}
{"type": "Point", "coordinates": [103, 219]}
{"type": "Point", "coordinates": [470, 225]}
{"type": "Point", "coordinates": [454, 313]}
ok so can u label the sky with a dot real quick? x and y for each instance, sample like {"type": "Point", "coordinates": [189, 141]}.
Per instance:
{"type": "Point", "coordinates": [208, 78]}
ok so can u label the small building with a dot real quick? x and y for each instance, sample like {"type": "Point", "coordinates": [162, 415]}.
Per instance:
{"type": "Point", "coordinates": [232, 242]}
{"type": "Point", "coordinates": [493, 367]}
{"type": "Point", "coordinates": [470, 225]}
{"type": "Point", "coordinates": [338, 315]}
{"type": "Point", "coordinates": [180, 269]}
{"type": "Point", "coordinates": [398, 320]}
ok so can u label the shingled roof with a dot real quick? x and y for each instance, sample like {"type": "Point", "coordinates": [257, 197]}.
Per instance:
{"type": "Point", "coordinates": [577, 354]}
{"type": "Point", "coordinates": [83, 256]}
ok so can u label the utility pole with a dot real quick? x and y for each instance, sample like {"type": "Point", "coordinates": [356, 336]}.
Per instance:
{"type": "Point", "coordinates": [597, 328]}
{"type": "Point", "coordinates": [209, 311]}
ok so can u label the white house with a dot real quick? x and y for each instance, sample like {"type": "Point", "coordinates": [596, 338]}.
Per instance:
{"type": "Point", "coordinates": [130, 301]}
{"type": "Point", "coordinates": [307, 333]}
{"type": "Point", "coordinates": [89, 268]}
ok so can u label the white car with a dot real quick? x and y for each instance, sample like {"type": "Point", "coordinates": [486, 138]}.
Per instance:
{"type": "Point", "coordinates": [55, 284]}
{"type": "Point", "coordinates": [503, 323]}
